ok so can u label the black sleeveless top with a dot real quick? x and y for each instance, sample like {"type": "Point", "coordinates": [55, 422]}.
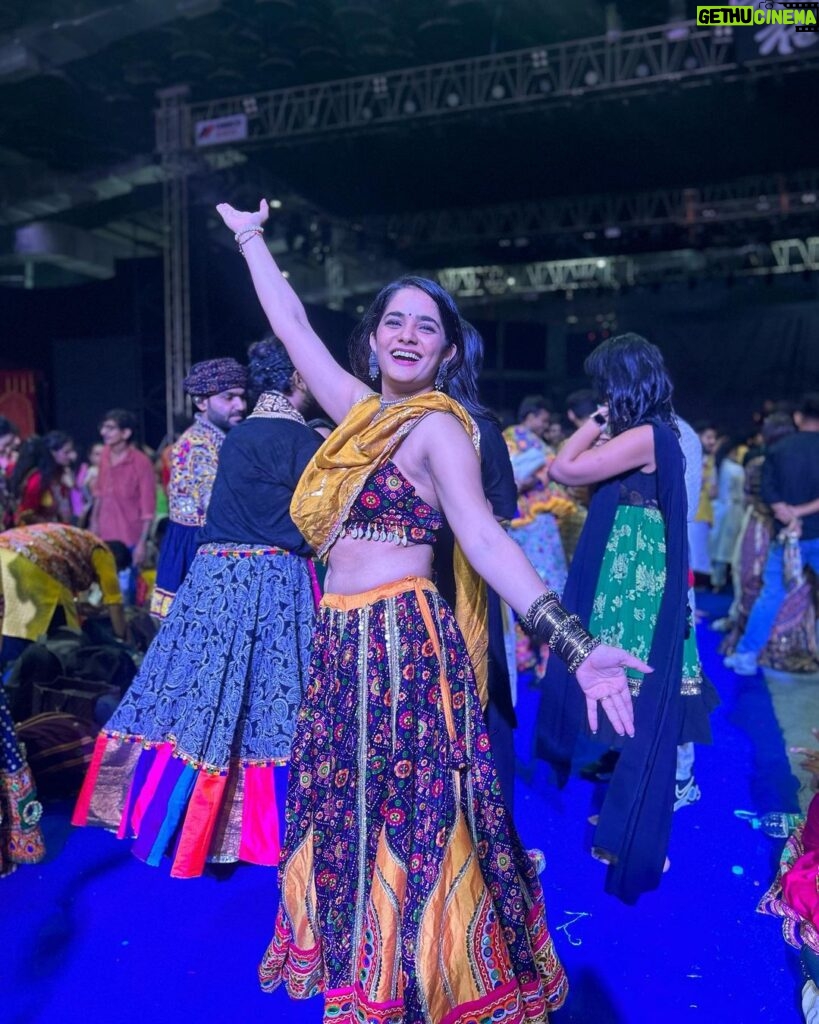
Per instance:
{"type": "Point", "coordinates": [638, 488]}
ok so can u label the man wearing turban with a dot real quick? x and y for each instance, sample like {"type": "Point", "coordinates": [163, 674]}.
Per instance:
{"type": "Point", "coordinates": [217, 389]}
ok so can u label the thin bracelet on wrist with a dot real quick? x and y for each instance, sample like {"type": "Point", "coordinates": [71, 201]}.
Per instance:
{"type": "Point", "coordinates": [244, 236]}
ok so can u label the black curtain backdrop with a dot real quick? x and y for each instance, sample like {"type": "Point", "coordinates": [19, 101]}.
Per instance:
{"type": "Point", "coordinates": [724, 365]}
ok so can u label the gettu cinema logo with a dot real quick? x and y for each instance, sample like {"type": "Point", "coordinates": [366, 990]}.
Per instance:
{"type": "Point", "coordinates": [802, 17]}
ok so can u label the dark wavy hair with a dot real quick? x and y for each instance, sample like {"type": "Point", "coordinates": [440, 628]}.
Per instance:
{"type": "Point", "coordinates": [37, 454]}
{"type": "Point", "coordinates": [359, 345]}
{"type": "Point", "coordinates": [629, 374]}
{"type": "Point", "coordinates": [269, 367]}
{"type": "Point", "coordinates": [463, 384]}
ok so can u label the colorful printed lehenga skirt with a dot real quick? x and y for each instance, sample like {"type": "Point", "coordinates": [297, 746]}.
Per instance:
{"type": "Point", "coordinates": [406, 896]}
{"type": "Point", "coordinates": [192, 758]}
{"type": "Point", "coordinates": [627, 602]}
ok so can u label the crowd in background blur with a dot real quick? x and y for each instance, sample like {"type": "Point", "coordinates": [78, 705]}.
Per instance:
{"type": "Point", "coordinates": [66, 668]}
{"type": "Point", "coordinates": [118, 488]}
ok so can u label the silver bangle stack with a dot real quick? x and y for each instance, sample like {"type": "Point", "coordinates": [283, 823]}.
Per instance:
{"type": "Point", "coordinates": [246, 234]}
{"type": "Point", "coordinates": [549, 622]}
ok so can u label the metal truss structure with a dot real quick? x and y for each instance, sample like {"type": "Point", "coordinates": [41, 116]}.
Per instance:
{"type": "Point", "coordinates": [493, 283]}
{"type": "Point", "coordinates": [601, 67]}
{"type": "Point", "coordinates": [747, 199]}
{"type": "Point", "coordinates": [564, 72]}
{"type": "Point", "coordinates": [170, 130]}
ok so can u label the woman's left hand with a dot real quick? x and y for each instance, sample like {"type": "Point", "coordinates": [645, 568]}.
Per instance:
{"type": "Point", "coordinates": [602, 677]}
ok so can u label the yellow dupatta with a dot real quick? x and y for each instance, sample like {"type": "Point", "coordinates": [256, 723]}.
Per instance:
{"type": "Point", "coordinates": [335, 476]}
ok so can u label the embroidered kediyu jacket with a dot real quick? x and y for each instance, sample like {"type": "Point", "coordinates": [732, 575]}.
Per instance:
{"type": "Point", "coordinates": [193, 469]}
{"type": "Point", "coordinates": [193, 461]}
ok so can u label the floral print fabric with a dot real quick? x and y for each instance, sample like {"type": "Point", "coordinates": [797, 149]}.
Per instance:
{"type": "Point", "coordinates": [630, 588]}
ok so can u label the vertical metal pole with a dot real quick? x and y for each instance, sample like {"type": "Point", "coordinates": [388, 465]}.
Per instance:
{"type": "Point", "coordinates": [172, 133]}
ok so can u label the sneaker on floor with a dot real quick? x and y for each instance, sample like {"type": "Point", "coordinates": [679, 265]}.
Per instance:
{"type": "Point", "coordinates": [744, 663]}
{"type": "Point", "coordinates": [810, 1002]}
{"type": "Point", "coordinates": [686, 792]}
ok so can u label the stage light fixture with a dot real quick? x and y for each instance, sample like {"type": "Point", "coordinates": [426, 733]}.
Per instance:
{"type": "Point", "coordinates": [677, 28]}
{"type": "Point", "coordinates": [614, 25]}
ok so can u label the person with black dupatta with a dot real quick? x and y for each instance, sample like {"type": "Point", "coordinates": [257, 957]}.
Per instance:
{"type": "Point", "coordinates": [628, 582]}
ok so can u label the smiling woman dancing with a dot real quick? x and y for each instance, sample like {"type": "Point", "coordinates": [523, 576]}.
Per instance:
{"type": "Point", "coordinates": [406, 895]}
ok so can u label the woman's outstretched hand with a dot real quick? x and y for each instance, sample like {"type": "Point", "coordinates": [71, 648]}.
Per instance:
{"type": "Point", "coordinates": [241, 220]}
{"type": "Point", "coordinates": [602, 677]}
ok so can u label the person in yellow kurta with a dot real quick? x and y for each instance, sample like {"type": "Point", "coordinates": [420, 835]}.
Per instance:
{"type": "Point", "coordinates": [42, 568]}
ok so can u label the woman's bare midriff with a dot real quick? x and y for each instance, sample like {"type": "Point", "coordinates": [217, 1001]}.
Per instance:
{"type": "Point", "coordinates": [358, 565]}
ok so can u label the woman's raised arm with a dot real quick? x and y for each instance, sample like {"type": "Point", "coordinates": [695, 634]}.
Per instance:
{"type": "Point", "coordinates": [333, 387]}
{"type": "Point", "coordinates": [582, 460]}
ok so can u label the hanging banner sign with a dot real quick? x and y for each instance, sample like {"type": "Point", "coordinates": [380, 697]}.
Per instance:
{"type": "Point", "coordinates": [219, 130]}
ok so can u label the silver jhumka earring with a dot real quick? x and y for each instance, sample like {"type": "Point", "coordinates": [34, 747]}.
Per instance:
{"type": "Point", "coordinates": [440, 376]}
{"type": "Point", "coordinates": [373, 365]}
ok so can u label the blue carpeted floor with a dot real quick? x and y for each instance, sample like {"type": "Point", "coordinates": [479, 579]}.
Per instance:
{"type": "Point", "coordinates": [93, 934]}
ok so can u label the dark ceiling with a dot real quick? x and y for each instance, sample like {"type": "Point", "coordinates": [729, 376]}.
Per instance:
{"type": "Point", "coordinates": [79, 82]}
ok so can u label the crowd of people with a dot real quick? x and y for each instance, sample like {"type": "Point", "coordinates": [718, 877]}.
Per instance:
{"type": "Point", "coordinates": [354, 570]}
